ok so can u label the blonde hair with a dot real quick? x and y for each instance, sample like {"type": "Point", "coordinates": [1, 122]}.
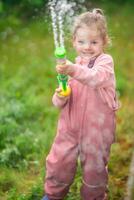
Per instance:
{"type": "Point", "coordinates": [94, 18]}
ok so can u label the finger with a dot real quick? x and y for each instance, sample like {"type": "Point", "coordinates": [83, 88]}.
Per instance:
{"type": "Point", "coordinates": [58, 90]}
{"type": "Point", "coordinates": [59, 66]}
{"type": "Point", "coordinates": [59, 69]}
{"type": "Point", "coordinates": [68, 62]}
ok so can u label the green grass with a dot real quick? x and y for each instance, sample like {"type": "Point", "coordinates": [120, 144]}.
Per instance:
{"type": "Point", "coordinates": [28, 119]}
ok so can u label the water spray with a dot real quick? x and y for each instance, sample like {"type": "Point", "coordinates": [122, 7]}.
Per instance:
{"type": "Point", "coordinates": [60, 52]}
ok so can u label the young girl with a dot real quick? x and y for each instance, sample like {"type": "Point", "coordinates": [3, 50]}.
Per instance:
{"type": "Point", "coordinates": [86, 128]}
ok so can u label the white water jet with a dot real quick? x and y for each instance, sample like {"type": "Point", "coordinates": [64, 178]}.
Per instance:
{"type": "Point", "coordinates": [54, 21]}
{"type": "Point", "coordinates": [61, 9]}
{"type": "Point", "coordinates": [60, 22]}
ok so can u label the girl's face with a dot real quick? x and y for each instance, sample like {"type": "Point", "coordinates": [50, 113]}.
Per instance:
{"type": "Point", "coordinates": [87, 42]}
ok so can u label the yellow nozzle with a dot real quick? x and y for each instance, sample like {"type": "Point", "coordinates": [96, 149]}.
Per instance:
{"type": "Point", "coordinates": [65, 93]}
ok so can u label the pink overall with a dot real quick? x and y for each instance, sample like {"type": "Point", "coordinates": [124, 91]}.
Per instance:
{"type": "Point", "coordinates": [86, 130]}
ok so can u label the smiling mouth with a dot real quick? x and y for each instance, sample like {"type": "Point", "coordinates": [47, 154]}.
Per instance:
{"type": "Point", "coordinates": [87, 54]}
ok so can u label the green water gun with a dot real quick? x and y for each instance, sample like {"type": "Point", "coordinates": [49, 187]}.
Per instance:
{"type": "Point", "coordinates": [60, 54]}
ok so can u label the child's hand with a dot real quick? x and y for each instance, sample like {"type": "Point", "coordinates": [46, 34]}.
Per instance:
{"type": "Point", "coordinates": [65, 69]}
{"type": "Point", "coordinates": [58, 91]}
{"type": "Point", "coordinates": [63, 94]}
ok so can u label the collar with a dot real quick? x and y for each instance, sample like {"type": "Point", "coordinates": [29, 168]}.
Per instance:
{"type": "Point", "coordinates": [85, 61]}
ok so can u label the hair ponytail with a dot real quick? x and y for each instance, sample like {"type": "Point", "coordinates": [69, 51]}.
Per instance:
{"type": "Point", "coordinates": [97, 11]}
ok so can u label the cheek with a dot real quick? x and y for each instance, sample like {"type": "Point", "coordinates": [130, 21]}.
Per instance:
{"type": "Point", "coordinates": [98, 48]}
{"type": "Point", "coordinates": [76, 48]}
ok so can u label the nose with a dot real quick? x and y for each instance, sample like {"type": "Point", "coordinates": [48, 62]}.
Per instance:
{"type": "Point", "coordinates": [87, 46]}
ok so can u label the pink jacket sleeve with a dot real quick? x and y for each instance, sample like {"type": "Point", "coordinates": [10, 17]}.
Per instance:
{"type": "Point", "coordinates": [58, 102]}
{"type": "Point", "coordinates": [100, 75]}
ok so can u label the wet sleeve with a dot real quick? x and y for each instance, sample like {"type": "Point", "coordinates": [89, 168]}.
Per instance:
{"type": "Point", "coordinates": [100, 75]}
{"type": "Point", "coordinates": [58, 102]}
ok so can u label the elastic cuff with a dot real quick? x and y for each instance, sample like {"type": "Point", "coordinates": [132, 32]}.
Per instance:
{"type": "Point", "coordinates": [61, 183]}
{"type": "Point", "coordinates": [94, 186]}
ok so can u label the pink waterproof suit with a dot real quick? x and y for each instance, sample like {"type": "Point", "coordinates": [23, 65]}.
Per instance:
{"type": "Point", "coordinates": [86, 129]}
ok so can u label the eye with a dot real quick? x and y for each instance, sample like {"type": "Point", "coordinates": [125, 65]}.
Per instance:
{"type": "Point", "coordinates": [81, 42]}
{"type": "Point", "coordinates": [94, 42]}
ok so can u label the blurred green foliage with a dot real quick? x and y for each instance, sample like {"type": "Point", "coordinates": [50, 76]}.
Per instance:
{"type": "Point", "coordinates": [26, 8]}
{"type": "Point", "coordinates": [26, 3]}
